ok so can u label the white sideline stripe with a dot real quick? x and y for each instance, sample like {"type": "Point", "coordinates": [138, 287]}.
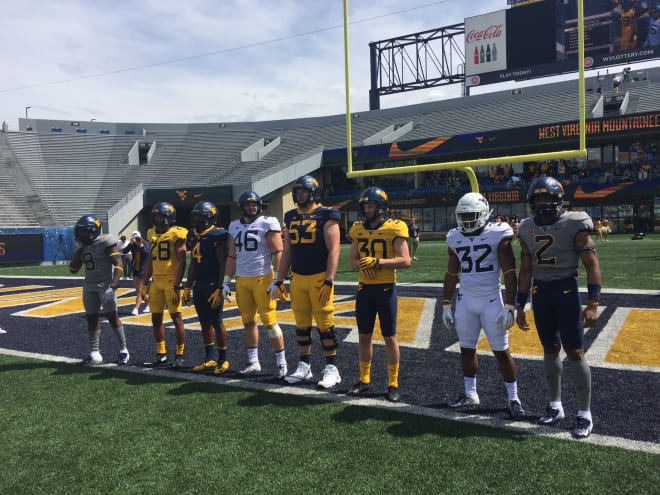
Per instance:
{"type": "Point", "coordinates": [507, 424]}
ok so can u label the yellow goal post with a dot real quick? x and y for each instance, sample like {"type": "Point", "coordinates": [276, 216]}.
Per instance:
{"type": "Point", "coordinates": [466, 165]}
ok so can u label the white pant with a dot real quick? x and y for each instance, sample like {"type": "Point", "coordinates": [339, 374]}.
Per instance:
{"type": "Point", "coordinates": [476, 312]}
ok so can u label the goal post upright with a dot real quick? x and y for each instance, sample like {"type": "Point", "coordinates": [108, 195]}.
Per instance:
{"type": "Point", "coordinates": [466, 165]}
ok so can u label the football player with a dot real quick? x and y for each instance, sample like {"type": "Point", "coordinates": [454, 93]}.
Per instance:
{"type": "Point", "coordinates": [167, 265]}
{"type": "Point", "coordinates": [552, 244]}
{"type": "Point", "coordinates": [255, 251]}
{"type": "Point", "coordinates": [99, 255]}
{"type": "Point", "coordinates": [379, 245]}
{"type": "Point", "coordinates": [311, 252]}
{"type": "Point", "coordinates": [480, 253]}
{"type": "Point", "coordinates": [208, 245]}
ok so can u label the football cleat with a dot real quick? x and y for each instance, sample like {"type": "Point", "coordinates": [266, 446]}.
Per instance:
{"type": "Point", "coordinates": [393, 394]}
{"type": "Point", "coordinates": [281, 372]}
{"type": "Point", "coordinates": [123, 358]}
{"type": "Point", "coordinates": [582, 428]}
{"type": "Point", "coordinates": [93, 359]}
{"type": "Point", "coordinates": [135, 312]}
{"type": "Point", "coordinates": [178, 361]}
{"type": "Point", "coordinates": [329, 377]}
{"type": "Point", "coordinates": [159, 360]}
{"type": "Point", "coordinates": [303, 372]}
{"type": "Point", "coordinates": [465, 400]}
{"type": "Point", "coordinates": [205, 366]}
{"type": "Point", "coordinates": [146, 309]}
{"type": "Point", "coordinates": [251, 369]}
{"type": "Point", "coordinates": [552, 415]}
{"type": "Point", "coordinates": [359, 388]}
{"type": "Point", "coordinates": [221, 368]}
{"type": "Point", "coordinates": [516, 409]}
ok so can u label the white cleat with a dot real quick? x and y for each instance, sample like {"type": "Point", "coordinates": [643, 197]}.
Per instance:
{"type": "Point", "coordinates": [330, 377]}
{"type": "Point", "coordinates": [251, 369]}
{"type": "Point", "coordinates": [302, 373]}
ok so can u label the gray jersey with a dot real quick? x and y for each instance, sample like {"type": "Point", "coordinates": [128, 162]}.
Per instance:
{"type": "Point", "coordinates": [97, 263]}
{"type": "Point", "coordinates": [553, 246]}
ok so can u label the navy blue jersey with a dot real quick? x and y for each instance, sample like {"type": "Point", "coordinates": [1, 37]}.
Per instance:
{"type": "Point", "coordinates": [309, 254]}
{"type": "Point", "coordinates": [202, 253]}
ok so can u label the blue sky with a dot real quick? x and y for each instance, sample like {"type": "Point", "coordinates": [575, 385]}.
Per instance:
{"type": "Point", "coordinates": [202, 60]}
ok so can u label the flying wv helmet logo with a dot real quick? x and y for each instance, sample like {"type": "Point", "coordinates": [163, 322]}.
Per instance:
{"type": "Point", "coordinates": [97, 222]}
{"type": "Point", "coordinates": [383, 195]}
{"type": "Point", "coordinates": [182, 195]}
{"type": "Point", "coordinates": [316, 183]}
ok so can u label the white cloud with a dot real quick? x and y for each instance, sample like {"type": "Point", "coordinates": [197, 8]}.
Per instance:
{"type": "Point", "coordinates": [114, 57]}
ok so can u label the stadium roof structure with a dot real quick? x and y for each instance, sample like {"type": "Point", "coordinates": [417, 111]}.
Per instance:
{"type": "Point", "coordinates": [53, 169]}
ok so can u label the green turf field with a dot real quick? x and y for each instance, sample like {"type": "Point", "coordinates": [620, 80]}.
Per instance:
{"type": "Point", "coordinates": [626, 264]}
{"type": "Point", "coordinates": [70, 429]}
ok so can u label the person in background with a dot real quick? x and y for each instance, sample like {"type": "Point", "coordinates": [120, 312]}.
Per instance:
{"type": "Point", "coordinates": [99, 255]}
{"type": "Point", "coordinates": [379, 246]}
{"type": "Point", "coordinates": [140, 254]}
{"type": "Point", "coordinates": [552, 243]}
{"type": "Point", "coordinates": [480, 254]}
{"type": "Point", "coordinates": [126, 256]}
{"type": "Point", "coordinates": [413, 238]}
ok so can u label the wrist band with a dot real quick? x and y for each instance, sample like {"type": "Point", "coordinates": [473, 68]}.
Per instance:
{"type": "Point", "coordinates": [226, 279]}
{"type": "Point", "coordinates": [593, 291]}
{"type": "Point", "coordinates": [446, 301]}
{"type": "Point", "coordinates": [521, 298]}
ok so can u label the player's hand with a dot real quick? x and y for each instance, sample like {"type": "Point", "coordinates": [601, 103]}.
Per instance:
{"type": "Point", "coordinates": [277, 290]}
{"type": "Point", "coordinates": [521, 318]}
{"type": "Point", "coordinates": [108, 296]}
{"type": "Point", "coordinates": [448, 316]}
{"type": "Point", "coordinates": [187, 296]}
{"type": "Point", "coordinates": [368, 265]}
{"type": "Point", "coordinates": [226, 292]}
{"type": "Point", "coordinates": [175, 297]}
{"type": "Point", "coordinates": [506, 317]}
{"type": "Point", "coordinates": [590, 315]}
{"type": "Point", "coordinates": [325, 292]}
{"type": "Point", "coordinates": [215, 299]}
{"type": "Point", "coordinates": [144, 291]}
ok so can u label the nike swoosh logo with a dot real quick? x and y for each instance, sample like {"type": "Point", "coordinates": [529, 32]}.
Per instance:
{"type": "Point", "coordinates": [568, 291]}
{"type": "Point", "coordinates": [600, 193]}
{"type": "Point", "coordinates": [420, 149]}
{"type": "Point", "coordinates": [492, 300]}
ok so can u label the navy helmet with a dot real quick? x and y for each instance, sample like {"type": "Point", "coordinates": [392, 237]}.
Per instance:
{"type": "Point", "coordinates": [87, 229]}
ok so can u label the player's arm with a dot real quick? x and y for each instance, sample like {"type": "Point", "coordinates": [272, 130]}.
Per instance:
{"type": "Point", "coordinates": [507, 262]}
{"type": "Point", "coordinates": [285, 262]}
{"type": "Point", "coordinates": [221, 249]}
{"type": "Point", "coordinates": [180, 254]}
{"type": "Point", "coordinates": [451, 277]}
{"type": "Point", "coordinates": [524, 285]}
{"type": "Point", "coordinates": [118, 266]}
{"type": "Point", "coordinates": [230, 264]}
{"type": "Point", "coordinates": [586, 249]}
{"type": "Point", "coordinates": [276, 246]}
{"type": "Point", "coordinates": [331, 236]}
{"type": "Point", "coordinates": [76, 260]}
{"type": "Point", "coordinates": [353, 255]}
{"type": "Point", "coordinates": [402, 258]}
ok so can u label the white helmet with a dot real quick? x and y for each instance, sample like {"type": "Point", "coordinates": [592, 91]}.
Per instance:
{"type": "Point", "coordinates": [472, 212]}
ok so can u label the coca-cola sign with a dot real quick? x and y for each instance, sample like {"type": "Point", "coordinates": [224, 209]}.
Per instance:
{"type": "Point", "coordinates": [493, 31]}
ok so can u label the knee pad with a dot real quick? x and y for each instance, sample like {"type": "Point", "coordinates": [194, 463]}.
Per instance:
{"type": "Point", "coordinates": [275, 331]}
{"type": "Point", "coordinates": [328, 334]}
{"type": "Point", "coordinates": [304, 336]}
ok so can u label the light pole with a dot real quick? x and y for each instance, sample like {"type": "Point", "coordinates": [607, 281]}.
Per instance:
{"type": "Point", "coordinates": [92, 120]}
{"type": "Point", "coordinates": [26, 113]}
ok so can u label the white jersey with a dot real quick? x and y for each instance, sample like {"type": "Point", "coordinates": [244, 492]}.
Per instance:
{"type": "Point", "coordinates": [253, 256]}
{"type": "Point", "coordinates": [480, 266]}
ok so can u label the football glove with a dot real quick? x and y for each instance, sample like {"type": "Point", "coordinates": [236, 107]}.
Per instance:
{"type": "Point", "coordinates": [226, 292]}
{"type": "Point", "coordinates": [175, 297]}
{"type": "Point", "coordinates": [144, 291]}
{"type": "Point", "coordinates": [215, 299]}
{"type": "Point", "coordinates": [448, 316]}
{"type": "Point", "coordinates": [506, 317]}
{"type": "Point", "coordinates": [108, 297]}
{"type": "Point", "coordinates": [325, 291]}
{"type": "Point", "coordinates": [368, 265]}
{"type": "Point", "coordinates": [187, 296]}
